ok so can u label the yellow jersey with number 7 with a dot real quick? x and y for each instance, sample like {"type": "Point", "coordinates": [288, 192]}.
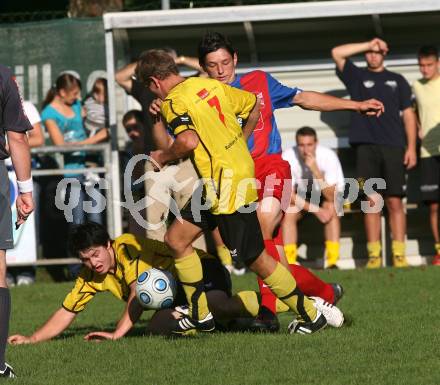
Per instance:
{"type": "Point", "coordinates": [222, 158]}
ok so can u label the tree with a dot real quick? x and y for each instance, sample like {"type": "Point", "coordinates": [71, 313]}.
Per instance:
{"type": "Point", "coordinates": [93, 8]}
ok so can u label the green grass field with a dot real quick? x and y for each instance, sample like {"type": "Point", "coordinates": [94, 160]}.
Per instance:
{"type": "Point", "coordinates": [392, 338]}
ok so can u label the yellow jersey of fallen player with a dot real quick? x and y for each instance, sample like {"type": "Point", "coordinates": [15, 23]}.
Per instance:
{"type": "Point", "coordinates": [133, 256]}
{"type": "Point", "coordinates": [221, 158]}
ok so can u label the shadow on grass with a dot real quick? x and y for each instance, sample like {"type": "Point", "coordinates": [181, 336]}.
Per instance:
{"type": "Point", "coordinates": [137, 331]}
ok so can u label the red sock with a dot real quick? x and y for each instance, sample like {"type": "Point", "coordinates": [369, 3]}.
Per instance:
{"type": "Point", "coordinates": [268, 299]}
{"type": "Point", "coordinates": [310, 284]}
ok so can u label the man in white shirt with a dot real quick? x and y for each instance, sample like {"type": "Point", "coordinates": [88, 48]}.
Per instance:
{"type": "Point", "coordinates": [317, 178]}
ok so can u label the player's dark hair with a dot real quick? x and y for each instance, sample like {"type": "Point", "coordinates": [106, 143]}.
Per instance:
{"type": "Point", "coordinates": [306, 131]}
{"type": "Point", "coordinates": [86, 235]}
{"type": "Point", "coordinates": [157, 63]}
{"type": "Point", "coordinates": [211, 42]}
{"type": "Point", "coordinates": [428, 50]}
{"type": "Point", "coordinates": [132, 114]}
{"type": "Point", "coordinates": [65, 82]}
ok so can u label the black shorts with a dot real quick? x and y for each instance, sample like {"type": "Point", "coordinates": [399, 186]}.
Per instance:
{"type": "Point", "coordinates": [430, 178]}
{"type": "Point", "coordinates": [6, 241]}
{"type": "Point", "coordinates": [241, 234]}
{"type": "Point", "coordinates": [215, 277]}
{"type": "Point", "coordinates": [384, 162]}
{"type": "Point", "coordinates": [240, 231]}
{"type": "Point", "coordinates": [200, 218]}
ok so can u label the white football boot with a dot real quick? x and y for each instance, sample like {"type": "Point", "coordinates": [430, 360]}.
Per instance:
{"type": "Point", "coordinates": [332, 314]}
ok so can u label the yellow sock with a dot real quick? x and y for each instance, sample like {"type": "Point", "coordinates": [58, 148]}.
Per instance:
{"type": "Point", "coordinates": [189, 271]}
{"type": "Point", "coordinates": [250, 302]}
{"type": "Point", "coordinates": [291, 251]}
{"type": "Point", "coordinates": [281, 306]}
{"type": "Point", "coordinates": [398, 248]}
{"type": "Point", "coordinates": [332, 252]}
{"type": "Point", "coordinates": [437, 248]}
{"type": "Point", "coordinates": [374, 249]}
{"type": "Point", "coordinates": [283, 285]}
{"type": "Point", "coordinates": [224, 255]}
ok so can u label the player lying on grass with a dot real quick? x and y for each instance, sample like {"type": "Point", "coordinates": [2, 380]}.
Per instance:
{"type": "Point", "coordinates": [115, 265]}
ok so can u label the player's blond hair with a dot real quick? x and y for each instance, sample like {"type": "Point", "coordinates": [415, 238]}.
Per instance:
{"type": "Point", "coordinates": [157, 63]}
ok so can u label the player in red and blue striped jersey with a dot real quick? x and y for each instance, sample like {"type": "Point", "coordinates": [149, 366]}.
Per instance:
{"type": "Point", "coordinates": [219, 59]}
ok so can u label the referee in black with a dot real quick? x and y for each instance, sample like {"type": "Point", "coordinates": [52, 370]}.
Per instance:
{"type": "Point", "coordinates": [13, 126]}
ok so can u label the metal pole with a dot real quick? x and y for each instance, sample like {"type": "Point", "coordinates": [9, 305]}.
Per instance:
{"type": "Point", "coordinates": [109, 192]}
{"type": "Point", "coordinates": [115, 202]}
{"type": "Point", "coordinates": [165, 4]}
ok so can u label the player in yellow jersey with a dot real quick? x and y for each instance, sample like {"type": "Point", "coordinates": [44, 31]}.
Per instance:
{"type": "Point", "coordinates": [114, 266]}
{"type": "Point", "coordinates": [202, 115]}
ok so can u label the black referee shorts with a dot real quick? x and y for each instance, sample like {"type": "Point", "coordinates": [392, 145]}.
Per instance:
{"type": "Point", "coordinates": [6, 240]}
{"type": "Point", "coordinates": [381, 161]}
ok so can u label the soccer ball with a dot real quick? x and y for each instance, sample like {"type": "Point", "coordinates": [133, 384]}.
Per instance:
{"type": "Point", "coordinates": [156, 289]}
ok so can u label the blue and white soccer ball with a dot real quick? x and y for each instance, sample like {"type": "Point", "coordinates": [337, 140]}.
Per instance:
{"type": "Point", "coordinates": [156, 289]}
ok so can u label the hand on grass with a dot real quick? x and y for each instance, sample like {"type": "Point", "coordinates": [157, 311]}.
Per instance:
{"type": "Point", "coordinates": [18, 339]}
{"type": "Point", "coordinates": [99, 336]}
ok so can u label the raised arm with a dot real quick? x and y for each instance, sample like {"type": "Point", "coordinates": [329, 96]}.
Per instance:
{"type": "Point", "coordinates": [190, 62]}
{"type": "Point", "coordinates": [55, 325]}
{"type": "Point", "coordinates": [131, 314]}
{"type": "Point", "coordinates": [342, 52]}
{"type": "Point", "coordinates": [123, 76]}
{"type": "Point", "coordinates": [310, 100]}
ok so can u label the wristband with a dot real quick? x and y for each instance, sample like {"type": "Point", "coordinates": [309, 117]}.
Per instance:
{"type": "Point", "coordinates": [25, 186]}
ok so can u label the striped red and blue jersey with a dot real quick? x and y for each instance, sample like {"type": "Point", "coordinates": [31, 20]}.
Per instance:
{"type": "Point", "coordinates": [266, 139]}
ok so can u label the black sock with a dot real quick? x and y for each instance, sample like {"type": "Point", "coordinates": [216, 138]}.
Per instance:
{"type": "Point", "coordinates": [5, 311]}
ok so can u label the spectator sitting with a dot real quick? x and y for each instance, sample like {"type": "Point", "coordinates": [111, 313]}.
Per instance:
{"type": "Point", "coordinates": [316, 172]}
